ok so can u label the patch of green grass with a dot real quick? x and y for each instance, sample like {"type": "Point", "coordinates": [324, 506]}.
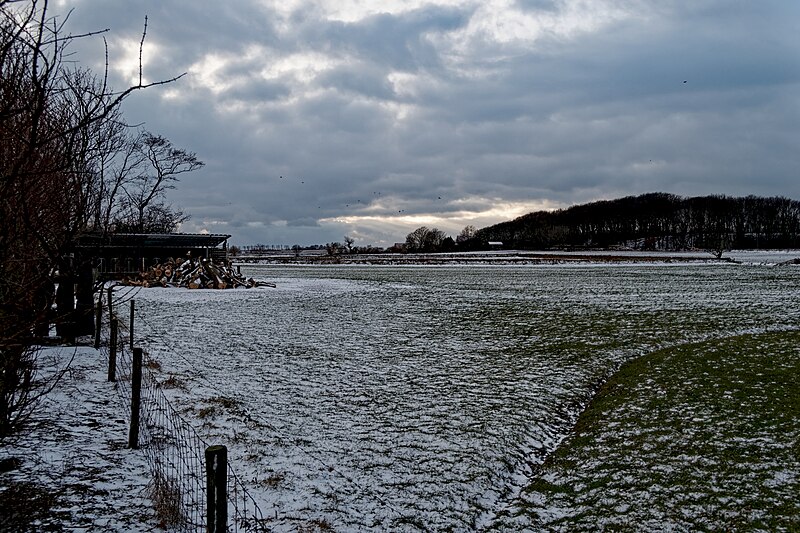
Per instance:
{"type": "Point", "coordinates": [697, 437]}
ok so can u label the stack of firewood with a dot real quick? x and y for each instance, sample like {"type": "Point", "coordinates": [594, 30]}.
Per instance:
{"type": "Point", "coordinates": [193, 273]}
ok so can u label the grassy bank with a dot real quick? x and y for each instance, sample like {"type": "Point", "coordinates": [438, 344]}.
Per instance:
{"type": "Point", "coordinates": [698, 437]}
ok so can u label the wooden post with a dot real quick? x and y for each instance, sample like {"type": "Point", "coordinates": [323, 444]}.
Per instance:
{"type": "Point", "coordinates": [65, 305]}
{"type": "Point", "coordinates": [112, 351]}
{"type": "Point", "coordinates": [133, 310]}
{"type": "Point", "coordinates": [136, 398]}
{"type": "Point", "coordinates": [84, 300]}
{"type": "Point", "coordinates": [217, 489]}
{"type": "Point", "coordinates": [98, 320]}
{"type": "Point", "coordinates": [110, 308]}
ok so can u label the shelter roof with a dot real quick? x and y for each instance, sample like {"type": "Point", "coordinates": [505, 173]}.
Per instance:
{"type": "Point", "coordinates": [151, 240]}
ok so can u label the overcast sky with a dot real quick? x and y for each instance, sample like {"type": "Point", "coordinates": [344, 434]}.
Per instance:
{"type": "Point", "coordinates": [318, 119]}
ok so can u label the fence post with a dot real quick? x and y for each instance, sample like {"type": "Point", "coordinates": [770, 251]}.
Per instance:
{"type": "Point", "coordinates": [133, 307]}
{"type": "Point", "coordinates": [110, 292]}
{"type": "Point", "coordinates": [216, 489]}
{"type": "Point", "coordinates": [112, 351]}
{"type": "Point", "coordinates": [136, 398]}
{"type": "Point", "coordinates": [98, 320]}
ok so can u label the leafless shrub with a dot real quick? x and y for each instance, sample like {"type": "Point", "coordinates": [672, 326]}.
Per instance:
{"type": "Point", "coordinates": [65, 157]}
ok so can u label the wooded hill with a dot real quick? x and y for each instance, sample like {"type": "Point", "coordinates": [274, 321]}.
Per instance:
{"type": "Point", "coordinates": [655, 221]}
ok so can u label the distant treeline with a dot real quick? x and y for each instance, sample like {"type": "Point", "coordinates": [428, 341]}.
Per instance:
{"type": "Point", "coordinates": [655, 221]}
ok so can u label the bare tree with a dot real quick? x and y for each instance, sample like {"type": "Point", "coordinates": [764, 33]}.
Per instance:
{"type": "Point", "coordinates": [333, 248]}
{"type": "Point", "coordinates": [348, 242]}
{"type": "Point", "coordinates": [415, 241]}
{"type": "Point", "coordinates": [424, 239]}
{"type": "Point", "coordinates": [146, 190]}
{"type": "Point", "coordinates": [118, 159]}
{"type": "Point", "coordinates": [54, 118]}
{"type": "Point", "coordinates": [466, 234]}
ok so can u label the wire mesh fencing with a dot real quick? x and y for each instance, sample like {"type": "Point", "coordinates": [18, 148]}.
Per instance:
{"type": "Point", "coordinates": [180, 483]}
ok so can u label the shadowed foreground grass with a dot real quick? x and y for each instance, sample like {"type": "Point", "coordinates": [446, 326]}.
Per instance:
{"type": "Point", "coordinates": [699, 437]}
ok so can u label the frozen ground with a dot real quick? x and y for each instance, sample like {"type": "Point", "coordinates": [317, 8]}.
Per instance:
{"type": "Point", "coordinates": [417, 398]}
{"type": "Point", "coordinates": [384, 398]}
{"type": "Point", "coordinates": [74, 472]}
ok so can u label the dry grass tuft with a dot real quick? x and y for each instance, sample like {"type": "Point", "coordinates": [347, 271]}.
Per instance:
{"type": "Point", "coordinates": [207, 412]}
{"type": "Point", "coordinates": [228, 403]}
{"type": "Point", "coordinates": [316, 525]}
{"type": "Point", "coordinates": [167, 498]}
{"type": "Point", "coordinates": [173, 382]}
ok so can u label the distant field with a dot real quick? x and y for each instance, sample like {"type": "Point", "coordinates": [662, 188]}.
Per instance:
{"type": "Point", "coordinates": [699, 437]}
{"type": "Point", "coordinates": [427, 398]}
{"type": "Point", "coordinates": [309, 257]}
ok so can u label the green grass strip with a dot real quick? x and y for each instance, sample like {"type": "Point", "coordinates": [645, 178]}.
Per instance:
{"type": "Point", "coordinates": [700, 437]}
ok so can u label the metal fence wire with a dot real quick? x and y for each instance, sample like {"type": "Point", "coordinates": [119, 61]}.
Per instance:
{"type": "Point", "coordinates": [175, 453]}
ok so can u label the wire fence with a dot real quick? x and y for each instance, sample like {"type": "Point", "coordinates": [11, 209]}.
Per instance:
{"type": "Point", "coordinates": [167, 343]}
{"type": "Point", "coordinates": [174, 450]}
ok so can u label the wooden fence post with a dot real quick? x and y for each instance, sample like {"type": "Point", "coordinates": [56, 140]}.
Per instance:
{"type": "Point", "coordinates": [110, 309]}
{"type": "Point", "coordinates": [136, 398]}
{"type": "Point", "coordinates": [112, 351]}
{"type": "Point", "coordinates": [98, 320]}
{"type": "Point", "coordinates": [133, 308]}
{"type": "Point", "coordinates": [217, 489]}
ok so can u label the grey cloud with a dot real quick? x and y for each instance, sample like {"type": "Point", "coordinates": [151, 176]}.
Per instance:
{"type": "Point", "coordinates": [538, 5]}
{"type": "Point", "coordinates": [395, 41]}
{"type": "Point", "coordinates": [258, 90]}
{"type": "Point", "coordinates": [306, 222]}
{"type": "Point", "coordinates": [184, 31]}
{"type": "Point", "coordinates": [363, 80]}
{"type": "Point", "coordinates": [566, 120]}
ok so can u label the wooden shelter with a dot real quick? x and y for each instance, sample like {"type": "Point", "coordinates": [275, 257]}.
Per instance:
{"type": "Point", "coordinates": [117, 255]}
{"type": "Point", "coordinates": [97, 257]}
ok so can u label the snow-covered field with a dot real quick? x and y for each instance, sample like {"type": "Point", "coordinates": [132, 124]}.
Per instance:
{"type": "Point", "coordinates": [423, 398]}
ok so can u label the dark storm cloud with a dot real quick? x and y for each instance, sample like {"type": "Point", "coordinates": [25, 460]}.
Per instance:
{"type": "Point", "coordinates": [428, 111]}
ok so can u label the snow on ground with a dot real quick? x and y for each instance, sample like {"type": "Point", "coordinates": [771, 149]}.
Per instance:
{"type": "Point", "coordinates": [400, 398]}
{"type": "Point", "coordinates": [74, 451]}
{"type": "Point", "coordinates": [418, 398]}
